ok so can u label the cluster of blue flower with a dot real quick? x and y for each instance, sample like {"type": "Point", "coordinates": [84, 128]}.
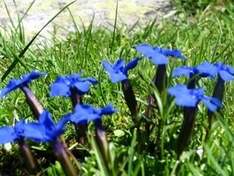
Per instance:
{"type": "Point", "coordinates": [45, 130]}
{"type": "Point", "coordinates": [73, 86]}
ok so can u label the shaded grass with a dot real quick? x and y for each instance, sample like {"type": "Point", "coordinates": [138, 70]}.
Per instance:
{"type": "Point", "coordinates": [206, 36]}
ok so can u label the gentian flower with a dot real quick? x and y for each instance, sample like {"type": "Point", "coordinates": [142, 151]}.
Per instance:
{"type": "Point", "coordinates": [43, 131]}
{"type": "Point", "coordinates": [63, 85]}
{"type": "Point", "coordinates": [21, 129]}
{"type": "Point", "coordinates": [158, 55]}
{"type": "Point", "coordinates": [50, 133]}
{"type": "Point", "coordinates": [22, 83]}
{"type": "Point", "coordinates": [49, 128]}
{"type": "Point", "coordinates": [17, 133]}
{"type": "Point", "coordinates": [10, 134]}
{"type": "Point", "coordinates": [190, 97]}
{"type": "Point", "coordinates": [225, 71]}
{"type": "Point", "coordinates": [118, 71]}
{"type": "Point", "coordinates": [85, 113]}
{"type": "Point", "coordinates": [73, 86]}
{"type": "Point", "coordinates": [205, 69]}
{"type": "Point", "coordinates": [19, 83]}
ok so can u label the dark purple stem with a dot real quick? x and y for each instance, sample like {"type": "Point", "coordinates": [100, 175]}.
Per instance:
{"type": "Point", "coordinates": [217, 93]}
{"type": "Point", "coordinates": [27, 154]}
{"type": "Point", "coordinates": [129, 97]}
{"type": "Point", "coordinates": [160, 78]}
{"type": "Point", "coordinates": [186, 129]}
{"type": "Point", "coordinates": [188, 122]}
{"type": "Point", "coordinates": [102, 142]}
{"type": "Point", "coordinates": [81, 129]}
{"type": "Point", "coordinates": [64, 160]}
{"type": "Point", "coordinates": [159, 81]}
{"type": "Point", "coordinates": [33, 102]}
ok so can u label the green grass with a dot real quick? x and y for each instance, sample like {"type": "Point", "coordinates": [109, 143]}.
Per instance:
{"type": "Point", "coordinates": [206, 35]}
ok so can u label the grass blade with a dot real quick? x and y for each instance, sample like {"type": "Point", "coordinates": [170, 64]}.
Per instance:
{"type": "Point", "coordinates": [16, 61]}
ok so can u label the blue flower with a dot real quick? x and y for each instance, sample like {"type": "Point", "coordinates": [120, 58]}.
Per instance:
{"type": "Point", "coordinates": [191, 97]}
{"type": "Point", "coordinates": [225, 71]}
{"type": "Point", "coordinates": [49, 128]}
{"type": "Point", "coordinates": [158, 55]}
{"type": "Point", "coordinates": [85, 113]}
{"type": "Point", "coordinates": [63, 84]}
{"type": "Point", "coordinates": [21, 129]}
{"type": "Point", "coordinates": [118, 72]}
{"type": "Point", "coordinates": [205, 69]}
{"type": "Point", "coordinates": [18, 83]}
{"type": "Point", "coordinates": [43, 131]}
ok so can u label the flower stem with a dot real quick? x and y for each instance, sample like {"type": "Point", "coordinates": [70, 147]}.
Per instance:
{"type": "Point", "coordinates": [217, 93]}
{"type": "Point", "coordinates": [102, 142]}
{"type": "Point", "coordinates": [159, 81]}
{"type": "Point", "coordinates": [64, 160]}
{"type": "Point", "coordinates": [81, 129]}
{"type": "Point", "coordinates": [130, 98]}
{"type": "Point", "coordinates": [160, 78]}
{"type": "Point", "coordinates": [27, 154]}
{"type": "Point", "coordinates": [186, 129]}
{"type": "Point", "coordinates": [33, 102]}
{"type": "Point", "coordinates": [64, 145]}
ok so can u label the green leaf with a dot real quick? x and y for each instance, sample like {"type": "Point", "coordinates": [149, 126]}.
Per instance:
{"type": "Point", "coordinates": [119, 133]}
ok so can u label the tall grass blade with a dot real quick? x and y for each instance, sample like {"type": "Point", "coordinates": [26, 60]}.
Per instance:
{"type": "Point", "coordinates": [16, 61]}
{"type": "Point", "coordinates": [115, 27]}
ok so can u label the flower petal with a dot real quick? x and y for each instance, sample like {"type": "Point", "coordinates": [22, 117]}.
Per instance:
{"type": "Point", "coordinates": [108, 67]}
{"type": "Point", "coordinates": [207, 69]}
{"type": "Point", "coordinates": [63, 121]}
{"type": "Point", "coordinates": [117, 77]}
{"type": "Point", "coordinates": [146, 50]}
{"type": "Point", "coordinates": [34, 131]}
{"type": "Point", "coordinates": [11, 86]}
{"type": "Point", "coordinates": [118, 65]}
{"type": "Point", "coordinates": [174, 53]}
{"type": "Point", "coordinates": [184, 70]}
{"type": "Point", "coordinates": [85, 113]}
{"type": "Point", "coordinates": [131, 64]}
{"type": "Point", "coordinates": [89, 79]}
{"type": "Point", "coordinates": [159, 59]}
{"type": "Point", "coordinates": [33, 75]}
{"type": "Point", "coordinates": [82, 87]}
{"type": "Point", "coordinates": [108, 110]}
{"type": "Point", "coordinates": [184, 96]}
{"type": "Point", "coordinates": [46, 119]}
{"type": "Point", "coordinates": [59, 89]}
{"type": "Point", "coordinates": [217, 102]}
{"type": "Point", "coordinates": [176, 90]}
{"type": "Point", "coordinates": [16, 83]}
{"type": "Point", "coordinates": [209, 105]}
{"type": "Point", "coordinates": [7, 134]}
{"type": "Point", "coordinates": [186, 100]}
{"type": "Point", "coordinates": [225, 75]}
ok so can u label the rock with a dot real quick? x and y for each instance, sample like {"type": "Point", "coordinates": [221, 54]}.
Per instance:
{"type": "Point", "coordinates": [83, 11]}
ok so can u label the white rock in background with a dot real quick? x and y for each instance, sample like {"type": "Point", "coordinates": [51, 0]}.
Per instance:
{"type": "Point", "coordinates": [129, 11]}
